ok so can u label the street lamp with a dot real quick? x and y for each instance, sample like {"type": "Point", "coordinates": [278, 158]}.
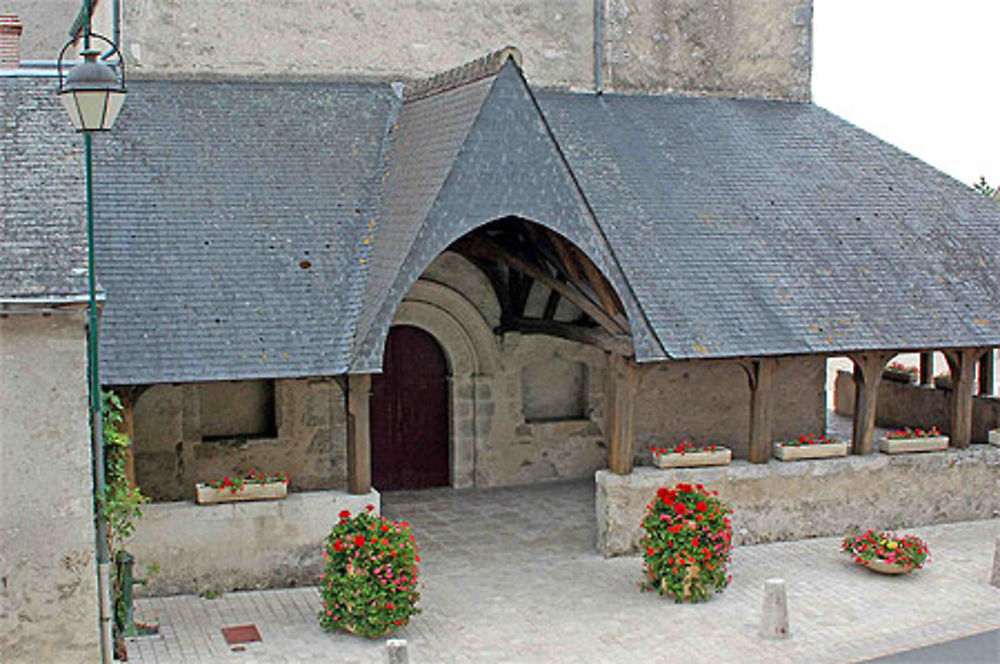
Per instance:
{"type": "Point", "coordinates": [92, 94]}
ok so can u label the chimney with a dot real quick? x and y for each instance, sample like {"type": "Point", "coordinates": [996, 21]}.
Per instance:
{"type": "Point", "coordinates": [10, 41]}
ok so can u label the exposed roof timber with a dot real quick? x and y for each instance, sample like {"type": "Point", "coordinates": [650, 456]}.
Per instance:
{"type": "Point", "coordinates": [620, 344]}
{"type": "Point", "coordinates": [484, 247]}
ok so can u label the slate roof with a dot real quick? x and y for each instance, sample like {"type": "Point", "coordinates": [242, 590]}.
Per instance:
{"type": "Point", "coordinates": [43, 240]}
{"type": "Point", "coordinates": [209, 198]}
{"type": "Point", "coordinates": [752, 227]}
{"type": "Point", "coordinates": [727, 227]}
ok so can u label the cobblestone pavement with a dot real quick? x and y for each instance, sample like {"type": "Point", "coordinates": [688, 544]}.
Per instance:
{"type": "Point", "coordinates": [511, 575]}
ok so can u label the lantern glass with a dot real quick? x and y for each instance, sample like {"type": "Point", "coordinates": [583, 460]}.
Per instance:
{"type": "Point", "coordinates": [92, 94]}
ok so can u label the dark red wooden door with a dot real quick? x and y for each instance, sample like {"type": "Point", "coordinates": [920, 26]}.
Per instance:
{"type": "Point", "coordinates": [409, 413]}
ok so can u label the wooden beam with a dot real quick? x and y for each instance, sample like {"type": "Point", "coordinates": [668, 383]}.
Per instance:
{"type": "Point", "coordinates": [551, 305]}
{"type": "Point", "coordinates": [487, 248]}
{"type": "Point", "coordinates": [760, 373]}
{"type": "Point", "coordinates": [595, 336]}
{"type": "Point", "coordinates": [620, 424]}
{"type": "Point", "coordinates": [359, 448]}
{"type": "Point", "coordinates": [573, 271]}
{"type": "Point", "coordinates": [601, 287]}
{"type": "Point", "coordinates": [927, 369]}
{"type": "Point", "coordinates": [962, 363]}
{"type": "Point", "coordinates": [986, 373]}
{"type": "Point", "coordinates": [868, 369]}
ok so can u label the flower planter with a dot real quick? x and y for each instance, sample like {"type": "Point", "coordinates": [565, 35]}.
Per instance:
{"type": "Point", "coordinates": [784, 452]}
{"type": "Point", "coordinates": [898, 376]}
{"type": "Point", "coordinates": [206, 495]}
{"type": "Point", "coordinates": [995, 437]}
{"type": "Point", "coordinates": [883, 567]}
{"type": "Point", "coordinates": [719, 457]}
{"type": "Point", "coordinates": [907, 445]}
{"type": "Point", "coordinates": [942, 382]}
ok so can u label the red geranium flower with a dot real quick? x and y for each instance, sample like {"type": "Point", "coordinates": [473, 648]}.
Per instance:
{"type": "Point", "coordinates": [680, 509]}
{"type": "Point", "coordinates": [345, 514]}
{"type": "Point", "coordinates": [359, 540]}
{"type": "Point", "coordinates": [701, 506]}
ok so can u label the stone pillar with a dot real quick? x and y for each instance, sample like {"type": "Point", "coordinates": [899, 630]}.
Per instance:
{"type": "Point", "coordinates": [986, 373]}
{"type": "Point", "coordinates": [963, 364]}
{"type": "Point", "coordinates": [774, 616]}
{"type": "Point", "coordinates": [623, 378]}
{"type": "Point", "coordinates": [927, 369]}
{"type": "Point", "coordinates": [359, 448]}
{"type": "Point", "coordinates": [867, 378]}
{"type": "Point", "coordinates": [761, 376]}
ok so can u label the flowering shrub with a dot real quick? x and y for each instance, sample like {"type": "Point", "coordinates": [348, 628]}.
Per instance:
{"type": "Point", "coordinates": [683, 448]}
{"type": "Point", "coordinates": [899, 367]}
{"type": "Point", "coordinates": [809, 439]}
{"type": "Point", "coordinates": [369, 581]}
{"type": "Point", "coordinates": [907, 432]}
{"type": "Point", "coordinates": [885, 547]}
{"type": "Point", "coordinates": [686, 543]}
{"type": "Point", "coordinates": [253, 477]}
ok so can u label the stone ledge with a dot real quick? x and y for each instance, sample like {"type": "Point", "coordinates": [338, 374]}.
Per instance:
{"type": "Point", "coordinates": [239, 546]}
{"type": "Point", "coordinates": [814, 498]}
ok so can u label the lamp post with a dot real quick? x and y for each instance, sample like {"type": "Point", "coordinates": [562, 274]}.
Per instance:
{"type": "Point", "coordinates": [92, 93]}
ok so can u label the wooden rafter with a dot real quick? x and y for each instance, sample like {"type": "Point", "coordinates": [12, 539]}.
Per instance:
{"type": "Point", "coordinates": [488, 249]}
{"type": "Point", "coordinates": [595, 336]}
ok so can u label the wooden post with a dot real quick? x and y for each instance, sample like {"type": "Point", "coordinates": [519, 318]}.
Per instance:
{"type": "Point", "coordinates": [623, 381]}
{"type": "Point", "coordinates": [986, 373]}
{"type": "Point", "coordinates": [760, 373]}
{"type": "Point", "coordinates": [962, 363]}
{"type": "Point", "coordinates": [867, 378]}
{"type": "Point", "coordinates": [927, 369]}
{"type": "Point", "coordinates": [359, 448]}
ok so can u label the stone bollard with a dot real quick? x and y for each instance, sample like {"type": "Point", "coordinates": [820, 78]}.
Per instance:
{"type": "Point", "coordinates": [995, 574]}
{"type": "Point", "coordinates": [395, 651]}
{"type": "Point", "coordinates": [774, 619]}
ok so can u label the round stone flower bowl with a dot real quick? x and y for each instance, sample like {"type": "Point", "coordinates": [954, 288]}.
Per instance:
{"type": "Point", "coordinates": [884, 567]}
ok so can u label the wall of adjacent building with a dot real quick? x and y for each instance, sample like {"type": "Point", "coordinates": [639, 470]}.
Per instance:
{"type": "Point", "coordinates": [524, 408]}
{"type": "Point", "coordinates": [725, 47]}
{"type": "Point", "coordinates": [48, 595]}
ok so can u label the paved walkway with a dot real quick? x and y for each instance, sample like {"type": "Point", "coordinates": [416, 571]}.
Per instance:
{"type": "Point", "coordinates": [511, 575]}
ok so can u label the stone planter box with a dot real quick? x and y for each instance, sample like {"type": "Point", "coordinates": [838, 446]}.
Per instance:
{"type": "Point", "coordinates": [206, 495]}
{"type": "Point", "coordinates": [906, 445]}
{"type": "Point", "coordinates": [942, 382]}
{"type": "Point", "coordinates": [718, 457]}
{"type": "Point", "coordinates": [898, 376]}
{"type": "Point", "coordinates": [797, 452]}
{"type": "Point", "coordinates": [995, 437]}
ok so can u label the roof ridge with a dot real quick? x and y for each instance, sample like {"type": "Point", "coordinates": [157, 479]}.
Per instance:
{"type": "Point", "coordinates": [480, 68]}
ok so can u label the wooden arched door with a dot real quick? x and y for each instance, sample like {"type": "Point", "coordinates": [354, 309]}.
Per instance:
{"type": "Point", "coordinates": [409, 413]}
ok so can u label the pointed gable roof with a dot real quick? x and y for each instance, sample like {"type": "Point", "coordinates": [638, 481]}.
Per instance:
{"type": "Point", "coordinates": [506, 164]}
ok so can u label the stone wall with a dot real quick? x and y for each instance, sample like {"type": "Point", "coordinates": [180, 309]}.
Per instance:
{"type": "Point", "coordinates": [709, 401]}
{"type": "Point", "coordinates": [727, 47]}
{"type": "Point", "coordinates": [785, 501]}
{"type": "Point", "coordinates": [910, 405]}
{"type": "Point", "coordinates": [171, 453]}
{"type": "Point", "coordinates": [239, 546]}
{"type": "Point", "coordinates": [48, 594]}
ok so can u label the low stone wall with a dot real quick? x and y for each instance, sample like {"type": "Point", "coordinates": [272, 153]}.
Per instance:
{"type": "Point", "coordinates": [794, 500]}
{"type": "Point", "coordinates": [237, 546]}
{"type": "Point", "coordinates": [910, 405]}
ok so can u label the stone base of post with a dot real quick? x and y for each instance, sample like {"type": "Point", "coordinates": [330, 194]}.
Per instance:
{"type": "Point", "coordinates": [395, 652]}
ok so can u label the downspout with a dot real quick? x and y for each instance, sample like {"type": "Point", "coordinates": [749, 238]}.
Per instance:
{"type": "Point", "coordinates": [598, 45]}
{"type": "Point", "coordinates": [116, 23]}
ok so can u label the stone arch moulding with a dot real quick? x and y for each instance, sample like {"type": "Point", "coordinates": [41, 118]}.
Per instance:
{"type": "Point", "coordinates": [473, 358]}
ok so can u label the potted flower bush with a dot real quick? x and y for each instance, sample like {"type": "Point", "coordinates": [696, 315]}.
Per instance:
{"type": "Point", "coordinates": [906, 440]}
{"type": "Point", "coordinates": [254, 486]}
{"type": "Point", "coordinates": [369, 580]}
{"type": "Point", "coordinates": [809, 447]}
{"type": "Point", "coordinates": [943, 381]}
{"type": "Point", "coordinates": [900, 373]}
{"type": "Point", "coordinates": [686, 455]}
{"type": "Point", "coordinates": [686, 543]}
{"type": "Point", "coordinates": [886, 553]}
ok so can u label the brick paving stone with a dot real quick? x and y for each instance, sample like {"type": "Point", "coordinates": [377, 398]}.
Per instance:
{"type": "Point", "coordinates": [511, 575]}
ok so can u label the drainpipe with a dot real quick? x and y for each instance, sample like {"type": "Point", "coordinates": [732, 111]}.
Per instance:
{"type": "Point", "coordinates": [598, 45]}
{"type": "Point", "coordinates": [116, 22]}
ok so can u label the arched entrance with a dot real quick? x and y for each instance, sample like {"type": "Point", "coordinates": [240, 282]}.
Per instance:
{"type": "Point", "coordinates": [409, 413]}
